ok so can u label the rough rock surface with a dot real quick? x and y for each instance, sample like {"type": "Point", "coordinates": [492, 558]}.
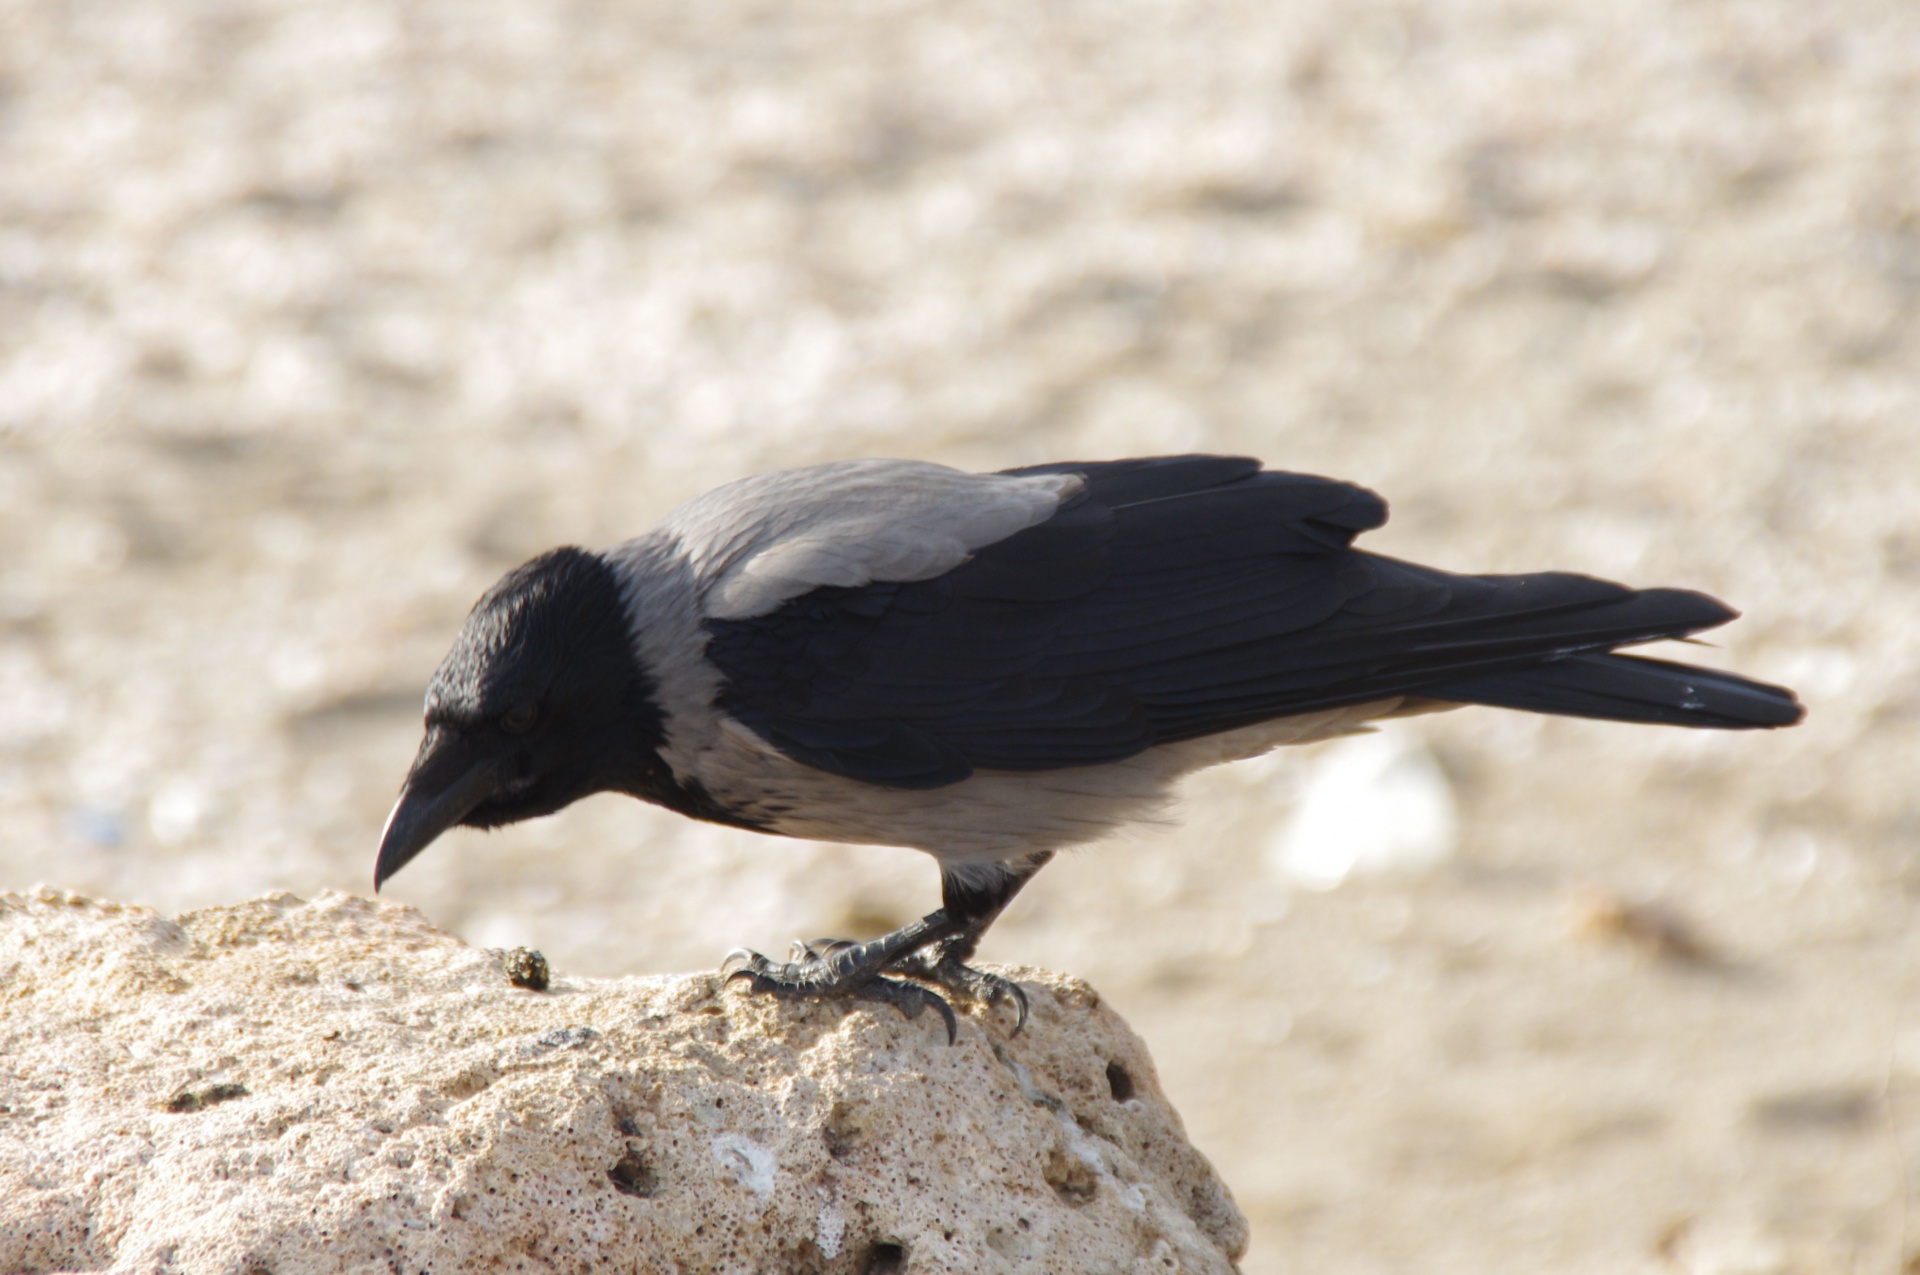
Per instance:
{"type": "Point", "coordinates": [293, 1086]}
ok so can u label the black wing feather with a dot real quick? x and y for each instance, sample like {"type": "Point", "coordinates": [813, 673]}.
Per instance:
{"type": "Point", "coordinates": [1177, 597]}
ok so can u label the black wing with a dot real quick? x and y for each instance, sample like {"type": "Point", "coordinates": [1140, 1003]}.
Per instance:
{"type": "Point", "coordinates": [1181, 596]}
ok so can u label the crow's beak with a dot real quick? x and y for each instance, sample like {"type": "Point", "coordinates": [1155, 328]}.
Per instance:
{"type": "Point", "coordinates": [449, 778]}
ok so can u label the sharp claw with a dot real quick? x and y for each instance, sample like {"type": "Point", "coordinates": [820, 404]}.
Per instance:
{"type": "Point", "coordinates": [965, 981]}
{"type": "Point", "coordinates": [740, 963]}
{"type": "Point", "coordinates": [910, 999]}
{"type": "Point", "coordinates": [1020, 1000]}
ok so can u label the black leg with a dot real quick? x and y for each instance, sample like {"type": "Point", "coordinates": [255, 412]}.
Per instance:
{"type": "Point", "coordinates": [933, 949]}
{"type": "Point", "coordinates": [975, 902]}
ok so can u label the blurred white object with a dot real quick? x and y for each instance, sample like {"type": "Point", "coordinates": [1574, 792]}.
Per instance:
{"type": "Point", "coordinates": [1372, 803]}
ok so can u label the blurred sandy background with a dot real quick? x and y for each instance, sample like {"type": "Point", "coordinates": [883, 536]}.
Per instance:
{"type": "Point", "coordinates": [315, 317]}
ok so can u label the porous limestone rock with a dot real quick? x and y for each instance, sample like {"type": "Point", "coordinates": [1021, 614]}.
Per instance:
{"type": "Point", "coordinates": [289, 1086]}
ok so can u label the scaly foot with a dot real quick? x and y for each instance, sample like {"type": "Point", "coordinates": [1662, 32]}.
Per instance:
{"type": "Point", "coordinates": [829, 969]}
{"type": "Point", "coordinates": [964, 981]}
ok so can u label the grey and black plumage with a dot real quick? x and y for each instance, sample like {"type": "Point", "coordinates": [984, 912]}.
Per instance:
{"type": "Point", "coordinates": [990, 667]}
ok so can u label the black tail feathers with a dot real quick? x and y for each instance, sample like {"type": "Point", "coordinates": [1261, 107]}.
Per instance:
{"type": "Point", "coordinates": [1631, 688]}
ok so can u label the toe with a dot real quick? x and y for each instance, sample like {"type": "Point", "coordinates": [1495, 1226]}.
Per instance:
{"type": "Point", "coordinates": [816, 949]}
{"type": "Point", "coordinates": [910, 999]}
{"type": "Point", "coordinates": [741, 962]}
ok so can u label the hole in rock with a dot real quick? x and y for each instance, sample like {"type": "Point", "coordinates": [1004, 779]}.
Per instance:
{"type": "Point", "coordinates": [633, 1176]}
{"type": "Point", "coordinates": [1119, 1081]}
{"type": "Point", "coordinates": [887, 1259]}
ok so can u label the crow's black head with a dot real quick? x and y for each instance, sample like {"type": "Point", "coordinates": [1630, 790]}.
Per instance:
{"type": "Point", "coordinates": [541, 702]}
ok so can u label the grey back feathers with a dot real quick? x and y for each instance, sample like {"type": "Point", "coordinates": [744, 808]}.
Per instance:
{"type": "Point", "coordinates": [756, 543]}
{"type": "Point", "coordinates": [744, 549]}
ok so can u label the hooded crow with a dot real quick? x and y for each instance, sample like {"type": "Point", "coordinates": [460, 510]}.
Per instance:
{"type": "Point", "coordinates": [990, 667]}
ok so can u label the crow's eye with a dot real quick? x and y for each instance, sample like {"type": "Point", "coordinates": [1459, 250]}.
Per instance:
{"type": "Point", "coordinates": [519, 719]}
